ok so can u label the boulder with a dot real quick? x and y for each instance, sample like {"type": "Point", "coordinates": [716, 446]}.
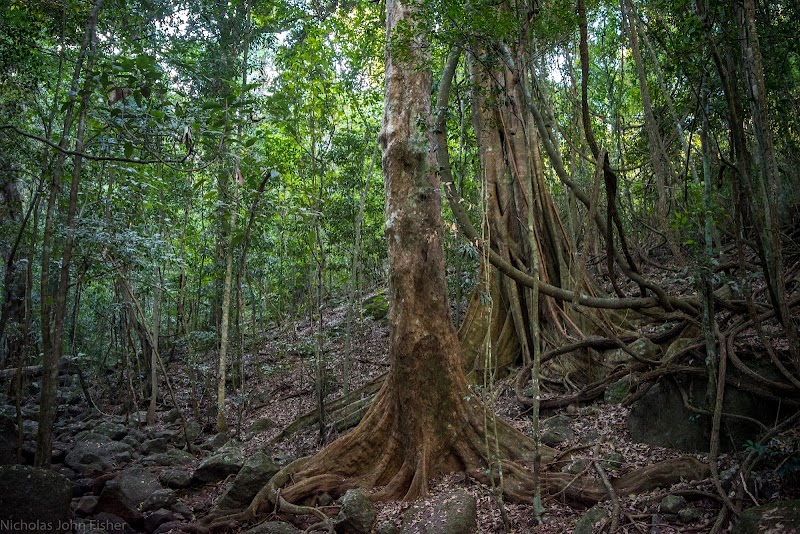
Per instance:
{"type": "Point", "coordinates": [153, 446]}
{"type": "Point", "coordinates": [253, 476]}
{"type": "Point", "coordinates": [175, 478]}
{"type": "Point", "coordinates": [170, 458]}
{"type": "Point", "coordinates": [590, 521]}
{"type": "Point", "coordinates": [273, 527]}
{"type": "Point", "coordinates": [557, 430]}
{"type": "Point", "coordinates": [660, 418]}
{"type": "Point", "coordinates": [356, 514]}
{"type": "Point", "coordinates": [110, 524]}
{"type": "Point", "coordinates": [93, 459]}
{"type": "Point", "coordinates": [8, 439]}
{"type": "Point", "coordinates": [225, 462]}
{"type": "Point", "coordinates": [124, 495]}
{"type": "Point", "coordinates": [387, 527]}
{"type": "Point", "coordinates": [452, 513]}
{"type": "Point", "coordinates": [777, 517]}
{"type": "Point", "coordinates": [376, 307]}
{"type": "Point", "coordinates": [86, 505]}
{"type": "Point", "coordinates": [616, 392]}
{"type": "Point", "coordinates": [161, 498]}
{"type": "Point", "coordinates": [115, 431]}
{"type": "Point", "coordinates": [169, 527]}
{"type": "Point", "coordinates": [34, 500]}
{"type": "Point", "coordinates": [216, 441]}
{"type": "Point", "coordinates": [154, 519]}
{"type": "Point", "coordinates": [259, 426]}
{"type": "Point", "coordinates": [672, 504]}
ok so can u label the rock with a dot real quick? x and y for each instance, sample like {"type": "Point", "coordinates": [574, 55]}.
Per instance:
{"type": "Point", "coordinates": [644, 348]}
{"type": "Point", "coordinates": [376, 307]}
{"type": "Point", "coordinates": [30, 428]}
{"type": "Point", "coordinates": [64, 470]}
{"type": "Point", "coordinates": [86, 505]}
{"type": "Point", "coordinates": [672, 504]}
{"type": "Point", "coordinates": [168, 459]}
{"type": "Point", "coordinates": [153, 520]}
{"type": "Point", "coordinates": [690, 514]}
{"type": "Point", "coordinates": [153, 446]}
{"type": "Point", "coordinates": [356, 514]}
{"type": "Point", "coordinates": [124, 495]}
{"type": "Point", "coordinates": [777, 517]}
{"type": "Point", "coordinates": [680, 345]}
{"type": "Point", "coordinates": [387, 527]}
{"type": "Point", "coordinates": [260, 426]}
{"type": "Point", "coordinates": [34, 500]}
{"type": "Point", "coordinates": [110, 523]}
{"type": "Point", "coordinates": [169, 526]}
{"type": "Point", "coordinates": [161, 498]}
{"type": "Point", "coordinates": [175, 478]}
{"type": "Point", "coordinates": [183, 509]}
{"type": "Point", "coordinates": [659, 526]}
{"type": "Point", "coordinates": [216, 441]}
{"type": "Point", "coordinates": [590, 520]}
{"type": "Point", "coordinates": [172, 416]}
{"type": "Point", "coordinates": [575, 467]}
{"type": "Point", "coordinates": [616, 392]}
{"type": "Point", "coordinates": [8, 440]}
{"type": "Point", "coordinates": [253, 476]}
{"type": "Point", "coordinates": [612, 461]}
{"type": "Point", "coordinates": [273, 527]}
{"type": "Point", "coordinates": [91, 436]}
{"type": "Point", "coordinates": [92, 458]}
{"type": "Point", "coordinates": [114, 431]}
{"type": "Point", "coordinates": [452, 513]}
{"type": "Point", "coordinates": [660, 418]}
{"type": "Point", "coordinates": [556, 430]}
{"type": "Point", "coordinates": [194, 430]}
{"type": "Point", "coordinates": [227, 461]}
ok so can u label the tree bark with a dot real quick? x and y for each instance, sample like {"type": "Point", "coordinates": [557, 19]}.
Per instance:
{"type": "Point", "coordinates": [53, 328]}
{"type": "Point", "coordinates": [421, 424]}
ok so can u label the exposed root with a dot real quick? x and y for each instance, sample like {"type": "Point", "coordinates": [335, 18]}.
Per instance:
{"type": "Point", "coordinates": [373, 456]}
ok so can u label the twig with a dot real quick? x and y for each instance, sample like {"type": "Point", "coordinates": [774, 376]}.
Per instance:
{"type": "Point", "coordinates": [615, 508]}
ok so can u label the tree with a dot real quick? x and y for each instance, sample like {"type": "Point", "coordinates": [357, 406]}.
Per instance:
{"type": "Point", "coordinates": [424, 422]}
{"type": "Point", "coordinates": [421, 424]}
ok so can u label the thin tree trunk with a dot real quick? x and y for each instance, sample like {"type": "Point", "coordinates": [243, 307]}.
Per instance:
{"type": "Point", "coordinates": [52, 332]}
{"type": "Point", "coordinates": [222, 425]}
{"type": "Point", "coordinates": [768, 187]}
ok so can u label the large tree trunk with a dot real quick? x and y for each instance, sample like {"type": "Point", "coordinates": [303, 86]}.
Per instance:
{"type": "Point", "coordinates": [420, 425]}
{"type": "Point", "coordinates": [522, 219]}
{"type": "Point", "coordinates": [423, 422]}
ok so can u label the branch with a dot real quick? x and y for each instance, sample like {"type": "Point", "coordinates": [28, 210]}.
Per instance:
{"type": "Point", "coordinates": [91, 157]}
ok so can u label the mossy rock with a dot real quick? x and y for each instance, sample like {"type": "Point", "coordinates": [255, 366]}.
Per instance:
{"type": "Point", "coordinates": [616, 392]}
{"type": "Point", "coordinates": [376, 307]}
{"type": "Point", "coordinates": [590, 521]}
{"type": "Point", "coordinates": [781, 516]}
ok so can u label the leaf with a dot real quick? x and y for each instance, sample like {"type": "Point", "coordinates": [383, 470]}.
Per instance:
{"type": "Point", "coordinates": [128, 149]}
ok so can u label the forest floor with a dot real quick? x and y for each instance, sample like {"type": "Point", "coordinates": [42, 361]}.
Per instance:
{"type": "Point", "coordinates": [280, 387]}
{"type": "Point", "coordinates": [281, 377]}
